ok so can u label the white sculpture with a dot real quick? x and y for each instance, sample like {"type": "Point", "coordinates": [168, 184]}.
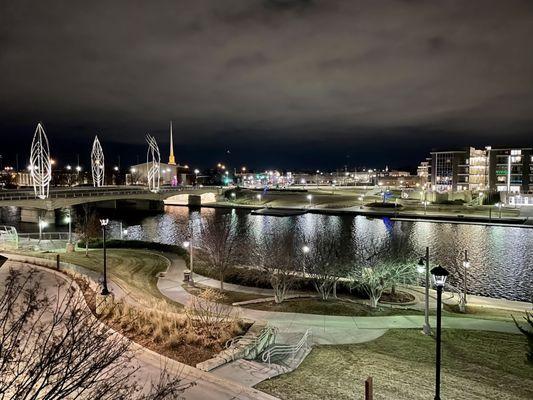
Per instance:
{"type": "Point", "coordinates": [97, 163]}
{"type": "Point", "coordinates": [153, 164]}
{"type": "Point", "coordinates": [40, 163]}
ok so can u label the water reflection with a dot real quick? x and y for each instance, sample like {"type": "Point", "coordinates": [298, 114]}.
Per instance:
{"type": "Point", "coordinates": [500, 257]}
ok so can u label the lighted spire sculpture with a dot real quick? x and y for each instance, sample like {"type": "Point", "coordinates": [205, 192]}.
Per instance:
{"type": "Point", "coordinates": [171, 159]}
{"type": "Point", "coordinates": [97, 163]}
{"type": "Point", "coordinates": [153, 164]}
{"type": "Point", "coordinates": [40, 163]}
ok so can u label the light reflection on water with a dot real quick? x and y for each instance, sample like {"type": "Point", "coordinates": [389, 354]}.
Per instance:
{"type": "Point", "coordinates": [501, 257]}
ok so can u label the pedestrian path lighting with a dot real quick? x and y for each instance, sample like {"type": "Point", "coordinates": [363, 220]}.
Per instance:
{"type": "Point", "coordinates": [305, 250]}
{"type": "Point", "coordinates": [309, 198]}
{"type": "Point", "coordinates": [188, 245]}
{"type": "Point", "coordinates": [258, 197]}
{"type": "Point", "coordinates": [42, 224]}
{"type": "Point", "coordinates": [361, 199]}
{"type": "Point", "coordinates": [439, 277]}
{"type": "Point", "coordinates": [499, 205]}
{"type": "Point", "coordinates": [425, 203]}
{"type": "Point", "coordinates": [104, 223]}
{"type": "Point", "coordinates": [466, 265]}
{"type": "Point", "coordinates": [423, 267]}
{"type": "Point", "coordinates": [68, 220]}
{"type": "Point", "coordinates": [233, 195]}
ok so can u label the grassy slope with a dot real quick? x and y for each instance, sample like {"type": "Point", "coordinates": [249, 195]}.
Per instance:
{"type": "Point", "coordinates": [135, 269]}
{"type": "Point", "coordinates": [476, 365]}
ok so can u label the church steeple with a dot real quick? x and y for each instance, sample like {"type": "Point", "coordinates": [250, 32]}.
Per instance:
{"type": "Point", "coordinates": [171, 159]}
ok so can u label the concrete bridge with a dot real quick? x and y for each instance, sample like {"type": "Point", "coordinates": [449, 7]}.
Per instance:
{"type": "Point", "coordinates": [106, 197]}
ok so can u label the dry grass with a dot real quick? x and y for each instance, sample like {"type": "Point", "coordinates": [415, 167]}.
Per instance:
{"type": "Point", "coordinates": [171, 332]}
{"type": "Point", "coordinates": [476, 366]}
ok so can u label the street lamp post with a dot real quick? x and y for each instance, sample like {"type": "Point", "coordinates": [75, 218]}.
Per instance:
{"type": "Point", "coordinates": [69, 220]}
{"type": "Point", "coordinates": [188, 245]}
{"type": "Point", "coordinates": [104, 223]}
{"type": "Point", "coordinates": [42, 224]}
{"type": "Point", "coordinates": [310, 198]}
{"type": "Point", "coordinates": [423, 266]}
{"type": "Point", "coordinates": [439, 276]}
{"type": "Point", "coordinates": [305, 250]}
{"type": "Point", "coordinates": [466, 265]}
{"type": "Point", "coordinates": [361, 199]}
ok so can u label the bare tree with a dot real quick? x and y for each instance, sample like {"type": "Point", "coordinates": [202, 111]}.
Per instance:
{"type": "Point", "coordinates": [52, 347]}
{"type": "Point", "coordinates": [277, 256]}
{"type": "Point", "coordinates": [218, 244]}
{"type": "Point", "coordinates": [379, 265]}
{"type": "Point", "coordinates": [325, 262]}
{"type": "Point", "coordinates": [88, 226]}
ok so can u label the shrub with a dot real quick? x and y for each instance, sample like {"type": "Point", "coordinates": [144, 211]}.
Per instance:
{"type": "Point", "coordinates": [135, 244]}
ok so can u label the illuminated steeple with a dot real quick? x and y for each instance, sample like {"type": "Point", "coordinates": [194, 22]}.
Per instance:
{"type": "Point", "coordinates": [171, 159]}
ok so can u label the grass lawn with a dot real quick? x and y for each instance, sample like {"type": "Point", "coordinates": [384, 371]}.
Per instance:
{"type": "Point", "coordinates": [346, 308]}
{"type": "Point", "coordinates": [330, 307]}
{"type": "Point", "coordinates": [135, 270]}
{"type": "Point", "coordinates": [229, 297]}
{"type": "Point", "coordinates": [475, 366]}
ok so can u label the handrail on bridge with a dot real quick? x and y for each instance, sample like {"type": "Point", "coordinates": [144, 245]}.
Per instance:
{"type": "Point", "coordinates": [91, 193]}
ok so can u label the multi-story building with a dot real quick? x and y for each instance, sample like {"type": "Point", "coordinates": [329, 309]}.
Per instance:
{"type": "Point", "coordinates": [423, 171]}
{"type": "Point", "coordinates": [507, 170]}
{"type": "Point", "coordinates": [511, 170]}
{"type": "Point", "coordinates": [473, 173]}
{"type": "Point", "coordinates": [446, 167]}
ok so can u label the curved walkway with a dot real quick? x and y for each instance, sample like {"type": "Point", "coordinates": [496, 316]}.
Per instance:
{"type": "Point", "coordinates": [327, 329]}
{"type": "Point", "coordinates": [208, 386]}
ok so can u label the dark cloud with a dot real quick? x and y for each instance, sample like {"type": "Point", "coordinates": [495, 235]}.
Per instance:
{"type": "Point", "coordinates": [259, 71]}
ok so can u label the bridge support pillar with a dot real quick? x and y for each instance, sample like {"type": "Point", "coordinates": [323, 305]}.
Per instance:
{"type": "Point", "coordinates": [30, 214]}
{"type": "Point", "coordinates": [194, 200]}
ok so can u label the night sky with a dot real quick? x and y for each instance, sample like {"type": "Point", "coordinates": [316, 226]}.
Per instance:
{"type": "Point", "coordinates": [277, 83]}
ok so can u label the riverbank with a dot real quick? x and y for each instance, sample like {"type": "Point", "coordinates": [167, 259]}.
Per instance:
{"type": "Point", "coordinates": [393, 214]}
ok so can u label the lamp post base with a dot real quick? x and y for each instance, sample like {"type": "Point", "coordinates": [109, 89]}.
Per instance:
{"type": "Point", "coordinates": [104, 302]}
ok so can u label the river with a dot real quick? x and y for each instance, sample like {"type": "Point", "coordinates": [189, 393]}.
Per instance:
{"type": "Point", "coordinates": [501, 258]}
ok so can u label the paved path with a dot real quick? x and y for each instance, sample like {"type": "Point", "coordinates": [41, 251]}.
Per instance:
{"type": "Point", "coordinates": [327, 329]}
{"type": "Point", "coordinates": [208, 386]}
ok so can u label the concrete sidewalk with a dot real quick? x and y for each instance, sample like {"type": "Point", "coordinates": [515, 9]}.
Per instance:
{"type": "Point", "coordinates": [208, 386]}
{"type": "Point", "coordinates": [327, 329]}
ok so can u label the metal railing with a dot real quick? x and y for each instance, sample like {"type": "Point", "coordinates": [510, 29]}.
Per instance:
{"type": "Point", "coordinates": [286, 349]}
{"type": "Point", "coordinates": [269, 330]}
{"type": "Point", "coordinates": [44, 236]}
{"type": "Point", "coordinates": [75, 193]}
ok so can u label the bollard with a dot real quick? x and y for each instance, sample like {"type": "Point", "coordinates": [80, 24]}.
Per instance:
{"type": "Point", "coordinates": [57, 262]}
{"type": "Point", "coordinates": [369, 390]}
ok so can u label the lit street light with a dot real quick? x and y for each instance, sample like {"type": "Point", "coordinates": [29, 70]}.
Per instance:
{"type": "Point", "coordinates": [423, 266]}
{"type": "Point", "coordinates": [69, 221]}
{"type": "Point", "coordinates": [305, 250]}
{"type": "Point", "coordinates": [104, 223]}
{"type": "Point", "coordinates": [439, 276]}
{"type": "Point", "coordinates": [42, 224]}
{"type": "Point", "coordinates": [499, 205]}
{"type": "Point", "coordinates": [466, 265]}
{"type": "Point", "coordinates": [188, 245]}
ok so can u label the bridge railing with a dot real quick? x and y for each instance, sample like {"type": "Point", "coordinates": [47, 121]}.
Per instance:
{"type": "Point", "coordinates": [98, 192]}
